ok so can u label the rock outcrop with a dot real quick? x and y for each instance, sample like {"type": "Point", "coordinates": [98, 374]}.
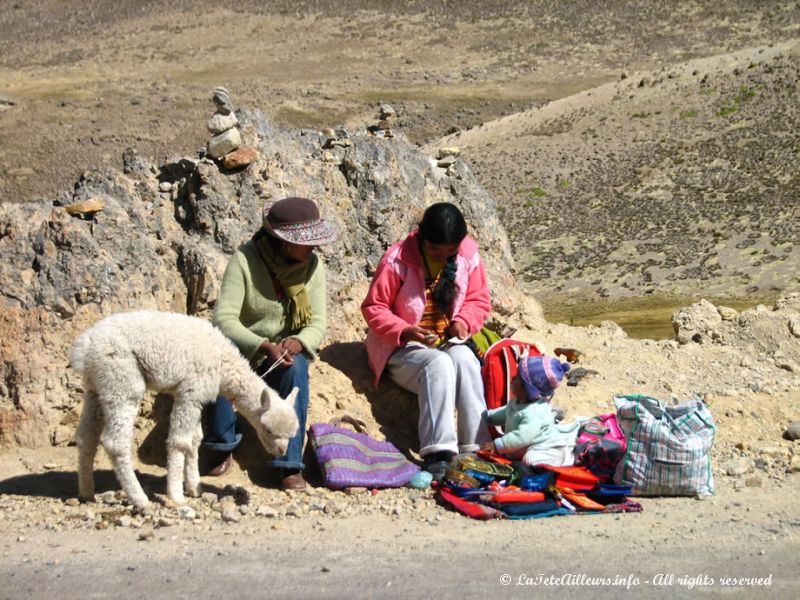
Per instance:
{"type": "Point", "coordinates": [160, 237]}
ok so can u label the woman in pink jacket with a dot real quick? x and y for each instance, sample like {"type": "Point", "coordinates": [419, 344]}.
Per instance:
{"type": "Point", "coordinates": [428, 294]}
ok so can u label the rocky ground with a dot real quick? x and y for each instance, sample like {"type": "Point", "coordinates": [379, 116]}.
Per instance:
{"type": "Point", "coordinates": [632, 149]}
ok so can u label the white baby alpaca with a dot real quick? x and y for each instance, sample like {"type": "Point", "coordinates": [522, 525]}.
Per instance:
{"type": "Point", "coordinates": [126, 354]}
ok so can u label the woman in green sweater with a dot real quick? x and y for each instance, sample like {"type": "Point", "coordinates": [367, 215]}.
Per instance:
{"type": "Point", "coordinates": [272, 305]}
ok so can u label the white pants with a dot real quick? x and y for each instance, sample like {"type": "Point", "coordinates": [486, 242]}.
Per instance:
{"type": "Point", "coordinates": [444, 381]}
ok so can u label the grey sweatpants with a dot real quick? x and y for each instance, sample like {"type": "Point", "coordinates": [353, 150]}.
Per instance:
{"type": "Point", "coordinates": [444, 381]}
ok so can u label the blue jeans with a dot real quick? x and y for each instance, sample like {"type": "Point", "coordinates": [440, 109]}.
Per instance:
{"type": "Point", "coordinates": [221, 431]}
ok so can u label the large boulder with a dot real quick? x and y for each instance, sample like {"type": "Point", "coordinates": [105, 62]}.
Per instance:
{"type": "Point", "coordinates": [160, 237]}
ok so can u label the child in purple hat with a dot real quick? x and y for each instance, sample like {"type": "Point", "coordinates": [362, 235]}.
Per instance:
{"type": "Point", "coordinates": [531, 433]}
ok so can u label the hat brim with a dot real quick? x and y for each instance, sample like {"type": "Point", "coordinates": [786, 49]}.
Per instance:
{"type": "Point", "coordinates": [315, 233]}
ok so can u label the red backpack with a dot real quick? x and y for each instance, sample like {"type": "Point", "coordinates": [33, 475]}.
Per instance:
{"type": "Point", "coordinates": [500, 365]}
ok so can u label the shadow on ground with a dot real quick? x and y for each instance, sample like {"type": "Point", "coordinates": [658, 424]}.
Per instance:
{"type": "Point", "coordinates": [394, 409]}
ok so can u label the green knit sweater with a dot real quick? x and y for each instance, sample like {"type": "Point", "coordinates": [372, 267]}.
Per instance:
{"type": "Point", "coordinates": [248, 310]}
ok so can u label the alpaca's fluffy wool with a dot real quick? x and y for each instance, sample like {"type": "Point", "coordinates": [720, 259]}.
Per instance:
{"type": "Point", "coordinates": [126, 354]}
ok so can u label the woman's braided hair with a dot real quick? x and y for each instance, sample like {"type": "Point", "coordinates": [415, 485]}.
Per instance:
{"type": "Point", "coordinates": [443, 223]}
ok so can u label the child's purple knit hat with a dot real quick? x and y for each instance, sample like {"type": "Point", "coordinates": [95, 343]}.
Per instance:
{"type": "Point", "coordinates": [541, 376]}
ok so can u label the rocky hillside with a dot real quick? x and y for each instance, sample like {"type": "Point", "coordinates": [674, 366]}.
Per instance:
{"type": "Point", "coordinates": [159, 236]}
{"type": "Point", "coordinates": [679, 181]}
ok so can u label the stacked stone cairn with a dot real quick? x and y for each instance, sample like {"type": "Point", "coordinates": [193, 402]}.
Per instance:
{"type": "Point", "coordinates": [226, 141]}
{"type": "Point", "coordinates": [331, 139]}
{"type": "Point", "coordinates": [446, 158]}
{"type": "Point", "coordinates": [386, 119]}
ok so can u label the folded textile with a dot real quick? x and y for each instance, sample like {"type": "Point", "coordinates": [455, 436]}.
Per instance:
{"type": "Point", "coordinates": [473, 510]}
{"type": "Point", "coordinates": [520, 496]}
{"type": "Point", "coordinates": [527, 508]}
{"type": "Point", "coordinates": [577, 478]}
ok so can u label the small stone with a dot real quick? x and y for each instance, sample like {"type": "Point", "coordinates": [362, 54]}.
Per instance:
{"type": "Point", "coordinates": [224, 143]}
{"type": "Point", "coordinates": [738, 466]}
{"type": "Point", "coordinates": [108, 497]}
{"type": "Point", "coordinates": [387, 111]}
{"type": "Point", "coordinates": [92, 205]}
{"type": "Point", "coordinates": [794, 326]}
{"type": "Point", "coordinates": [445, 162]}
{"type": "Point", "coordinates": [794, 465]}
{"type": "Point", "coordinates": [727, 313]}
{"type": "Point", "coordinates": [209, 498]}
{"type": "Point", "coordinates": [187, 513]}
{"type": "Point", "coordinates": [222, 99]}
{"type": "Point", "coordinates": [165, 186]}
{"type": "Point", "coordinates": [231, 516]}
{"type": "Point", "coordinates": [328, 157]}
{"type": "Point", "coordinates": [240, 158]}
{"type": "Point", "coordinates": [145, 535]}
{"type": "Point", "coordinates": [792, 432]}
{"type": "Point", "coordinates": [166, 522]}
{"type": "Point", "coordinates": [267, 511]}
{"type": "Point", "coordinates": [448, 151]}
{"type": "Point", "coordinates": [123, 521]}
{"type": "Point", "coordinates": [72, 502]}
{"type": "Point", "coordinates": [219, 123]}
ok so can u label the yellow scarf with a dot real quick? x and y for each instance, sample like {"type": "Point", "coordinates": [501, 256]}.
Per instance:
{"type": "Point", "coordinates": [293, 277]}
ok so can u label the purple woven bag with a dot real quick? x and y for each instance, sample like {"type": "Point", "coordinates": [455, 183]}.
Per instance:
{"type": "Point", "coordinates": [350, 459]}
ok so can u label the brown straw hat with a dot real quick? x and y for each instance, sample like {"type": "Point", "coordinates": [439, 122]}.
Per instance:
{"type": "Point", "coordinates": [296, 220]}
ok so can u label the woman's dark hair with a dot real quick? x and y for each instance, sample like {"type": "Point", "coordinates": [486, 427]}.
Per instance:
{"type": "Point", "coordinates": [443, 223]}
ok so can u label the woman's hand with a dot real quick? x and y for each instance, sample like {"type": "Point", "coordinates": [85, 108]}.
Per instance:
{"type": "Point", "coordinates": [488, 447]}
{"type": "Point", "coordinates": [458, 329]}
{"type": "Point", "coordinates": [274, 352]}
{"type": "Point", "coordinates": [293, 345]}
{"type": "Point", "coordinates": [418, 334]}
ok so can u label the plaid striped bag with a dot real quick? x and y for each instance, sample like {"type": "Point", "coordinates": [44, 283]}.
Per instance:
{"type": "Point", "coordinates": [350, 459]}
{"type": "Point", "coordinates": [669, 447]}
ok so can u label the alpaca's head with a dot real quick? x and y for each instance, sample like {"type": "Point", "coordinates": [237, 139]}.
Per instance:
{"type": "Point", "coordinates": [278, 422]}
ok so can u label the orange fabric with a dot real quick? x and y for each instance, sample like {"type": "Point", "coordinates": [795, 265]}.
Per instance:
{"type": "Point", "coordinates": [582, 500]}
{"type": "Point", "coordinates": [502, 460]}
{"type": "Point", "coordinates": [507, 497]}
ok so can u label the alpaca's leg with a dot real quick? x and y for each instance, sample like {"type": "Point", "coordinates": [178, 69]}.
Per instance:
{"type": "Point", "coordinates": [192, 470]}
{"type": "Point", "coordinates": [181, 454]}
{"type": "Point", "coordinates": [118, 441]}
{"type": "Point", "coordinates": [87, 438]}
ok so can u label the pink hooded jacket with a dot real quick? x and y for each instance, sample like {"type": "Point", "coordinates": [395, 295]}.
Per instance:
{"type": "Point", "coordinates": [396, 297]}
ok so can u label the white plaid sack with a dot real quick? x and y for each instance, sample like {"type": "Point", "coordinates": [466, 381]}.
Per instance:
{"type": "Point", "coordinates": [669, 447]}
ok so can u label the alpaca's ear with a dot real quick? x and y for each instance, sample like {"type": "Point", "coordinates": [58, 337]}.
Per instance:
{"type": "Point", "coordinates": [292, 398]}
{"type": "Point", "coordinates": [266, 399]}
